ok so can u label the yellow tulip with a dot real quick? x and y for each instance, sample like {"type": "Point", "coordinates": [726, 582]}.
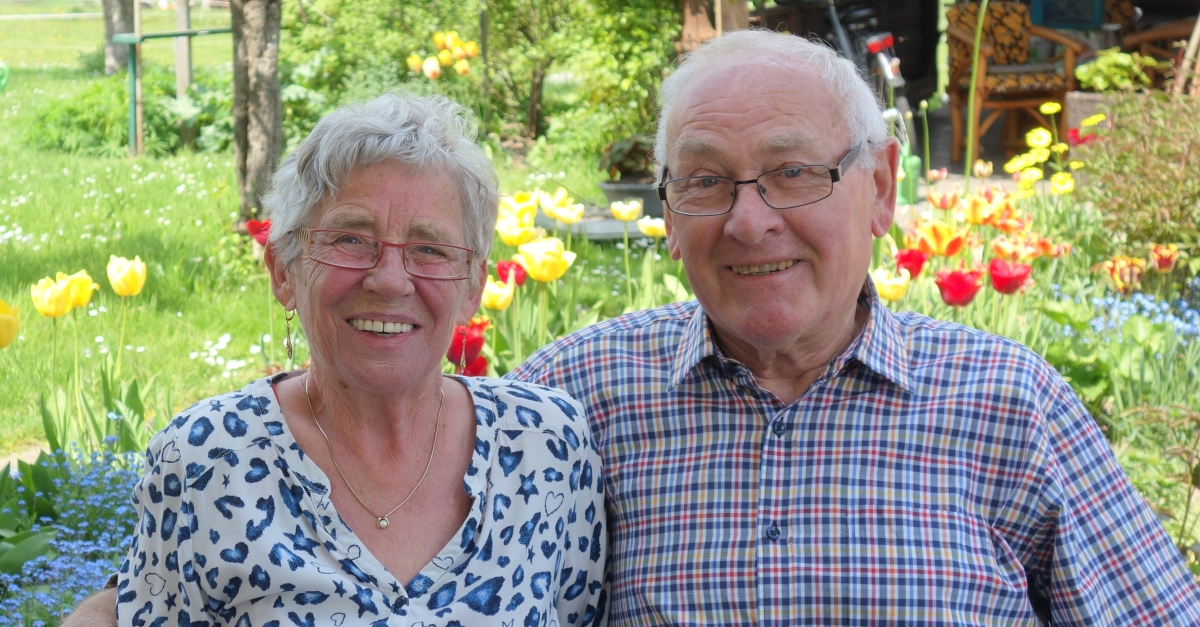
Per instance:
{"type": "Point", "coordinates": [1038, 138]}
{"type": "Point", "coordinates": [462, 68]}
{"type": "Point", "coordinates": [1092, 120]}
{"type": "Point", "coordinates": [626, 211]}
{"type": "Point", "coordinates": [431, 68]}
{"type": "Point", "coordinates": [51, 298]}
{"type": "Point", "coordinates": [498, 296]}
{"type": "Point", "coordinates": [10, 320]}
{"type": "Point", "coordinates": [414, 62]}
{"type": "Point", "coordinates": [439, 40]}
{"type": "Point", "coordinates": [513, 232]}
{"type": "Point", "coordinates": [1062, 183]}
{"type": "Point", "coordinates": [569, 214]}
{"type": "Point", "coordinates": [80, 285]}
{"type": "Point", "coordinates": [545, 259]}
{"type": "Point", "coordinates": [890, 288]}
{"type": "Point", "coordinates": [445, 58]}
{"type": "Point", "coordinates": [522, 207]}
{"type": "Point", "coordinates": [458, 52]}
{"type": "Point", "coordinates": [471, 48]}
{"type": "Point", "coordinates": [982, 169]}
{"type": "Point", "coordinates": [126, 277]}
{"type": "Point", "coordinates": [979, 210]}
{"type": "Point", "coordinates": [549, 203]}
{"type": "Point", "coordinates": [1050, 108]}
{"type": "Point", "coordinates": [652, 227]}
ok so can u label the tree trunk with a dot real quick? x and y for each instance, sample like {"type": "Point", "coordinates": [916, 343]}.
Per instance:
{"type": "Point", "coordinates": [533, 115]}
{"type": "Point", "coordinates": [257, 111]}
{"type": "Point", "coordinates": [118, 18]}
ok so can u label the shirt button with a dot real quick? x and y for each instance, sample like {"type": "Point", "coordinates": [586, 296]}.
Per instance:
{"type": "Point", "coordinates": [773, 533]}
{"type": "Point", "coordinates": [779, 428]}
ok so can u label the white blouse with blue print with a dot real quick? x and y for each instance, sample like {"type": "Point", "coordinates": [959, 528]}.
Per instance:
{"type": "Point", "coordinates": [237, 528]}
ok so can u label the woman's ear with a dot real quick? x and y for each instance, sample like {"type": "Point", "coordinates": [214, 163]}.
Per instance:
{"type": "Point", "coordinates": [282, 281]}
{"type": "Point", "coordinates": [474, 293]}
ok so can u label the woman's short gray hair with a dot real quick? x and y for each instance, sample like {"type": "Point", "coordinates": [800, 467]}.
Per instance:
{"type": "Point", "coordinates": [861, 111]}
{"type": "Point", "coordinates": [427, 132]}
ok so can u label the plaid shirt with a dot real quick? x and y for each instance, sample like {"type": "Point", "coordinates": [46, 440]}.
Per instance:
{"type": "Point", "coordinates": [933, 474]}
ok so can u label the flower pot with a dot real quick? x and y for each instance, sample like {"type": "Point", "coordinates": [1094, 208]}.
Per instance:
{"type": "Point", "coordinates": [646, 192]}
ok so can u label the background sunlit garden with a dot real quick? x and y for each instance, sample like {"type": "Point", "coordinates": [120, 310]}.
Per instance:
{"type": "Point", "coordinates": [127, 296]}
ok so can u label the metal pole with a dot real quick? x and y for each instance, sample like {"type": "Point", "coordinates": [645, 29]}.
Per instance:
{"type": "Point", "coordinates": [183, 66]}
{"type": "Point", "coordinates": [483, 49]}
{"type": "Point", "coordinates": [137, 31]}
{"type": "Point", "coordinates": [133, 128]}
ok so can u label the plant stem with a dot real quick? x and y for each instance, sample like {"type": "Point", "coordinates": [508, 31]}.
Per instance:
{"type": "Point", "coordinates": [970, 157]}
{"type": "Point", "coordinates": [925, 143]}
{"type": "Point", "coordinates": [121, 343]}
{"type": "Point", "coordinates": [628, 276]}
{"type": "Point", "coordinates": [542, 331]}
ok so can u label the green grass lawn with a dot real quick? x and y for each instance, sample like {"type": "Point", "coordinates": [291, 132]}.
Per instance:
{"type": "Point", "coordinates": [62, 213]}
{"type": "Point", "coordinates": [60, 43]}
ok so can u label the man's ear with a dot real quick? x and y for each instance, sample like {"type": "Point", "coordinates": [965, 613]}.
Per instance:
{"type": "Point", "coordinates": [887, 159]}
{"type": "Point", "coordinates": [282, 281]}
{"type": "Point", "coordinates": [672, 240]}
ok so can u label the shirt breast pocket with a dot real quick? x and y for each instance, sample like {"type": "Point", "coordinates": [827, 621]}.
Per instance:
{"type": "Point", "coordinates": [942, 559]}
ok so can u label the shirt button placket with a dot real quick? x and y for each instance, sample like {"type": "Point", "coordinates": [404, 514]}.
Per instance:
{"type": "Point", "coordinates": [774, 533]}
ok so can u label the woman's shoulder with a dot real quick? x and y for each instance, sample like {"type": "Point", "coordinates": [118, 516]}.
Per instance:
{"type": "Point", "coordinates": [231, 421]}
{"type": "Point", "coordinates": [518, 406]}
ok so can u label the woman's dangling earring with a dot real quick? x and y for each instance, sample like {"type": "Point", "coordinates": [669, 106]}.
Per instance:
{"type": "Point", "coordinates": [288, 316]}
{"type": "Point", "coordinates": [462, 359]}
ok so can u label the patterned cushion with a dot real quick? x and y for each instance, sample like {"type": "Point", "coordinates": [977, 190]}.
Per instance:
{"type": "Point", "coordinates": [1006, 29]}
{"type": "Point", "coordinates": [1020, 82]}
{"type": "Point", "coordinates": [1119, 12]}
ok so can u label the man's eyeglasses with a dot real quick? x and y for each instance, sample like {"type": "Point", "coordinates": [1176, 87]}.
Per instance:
{"type": "Point", "coordinates": [785, 188]}
{"type": "Point", "coordinates": [346, 249]}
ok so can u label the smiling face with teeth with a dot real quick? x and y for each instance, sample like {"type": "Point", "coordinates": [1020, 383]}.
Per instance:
{"type": "Point", "coordinates": [381, 328]}
{"type": "Point", "coordinates": [774, 281]}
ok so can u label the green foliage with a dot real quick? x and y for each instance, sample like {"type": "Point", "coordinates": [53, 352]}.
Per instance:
{"type": "Point", "coordinates": [630, 159]}
{"type": "Point", "coordinates": [1113, 70]}
{"type": "Point", "coordinates": [27, 500]}
{"type": "Point", "coordinates": [1141, 174]}
{"type": "Point", "coordinates": [359, 46]}
{"type": "Point", "coordinates": [114, 420]}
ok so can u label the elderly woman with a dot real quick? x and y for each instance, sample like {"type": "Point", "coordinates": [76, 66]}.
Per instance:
{"type": "Point", "coordinates": [371, 489]}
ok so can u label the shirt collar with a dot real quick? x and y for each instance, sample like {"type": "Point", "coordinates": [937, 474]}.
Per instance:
{"type": "Point", "coordinates": [880, 347]}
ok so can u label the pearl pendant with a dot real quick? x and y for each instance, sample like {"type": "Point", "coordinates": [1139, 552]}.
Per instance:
{"type": "Point", "coordinates": [383, 523]}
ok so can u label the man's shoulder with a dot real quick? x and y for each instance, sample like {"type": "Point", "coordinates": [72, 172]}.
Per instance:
{"type": "Point", "coordinates": [936, 345]}
{"type": "Point", "coordinates": [638, 336]}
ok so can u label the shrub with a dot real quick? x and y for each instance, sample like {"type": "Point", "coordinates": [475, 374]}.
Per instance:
{"type": "Point", "coordinates": [1142, 174]}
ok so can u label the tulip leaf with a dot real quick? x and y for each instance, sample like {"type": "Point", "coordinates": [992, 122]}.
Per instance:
{"type": "Point", "coordinates": [32, 547]}
{"type": "Point", "coordinates": [48, 425]}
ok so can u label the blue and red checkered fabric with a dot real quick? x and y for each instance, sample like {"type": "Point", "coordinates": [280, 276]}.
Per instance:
{"type": "Point", "coordinates": [934, 474]}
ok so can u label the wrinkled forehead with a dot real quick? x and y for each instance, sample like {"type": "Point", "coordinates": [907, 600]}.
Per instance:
{"type": "Point", "coordinates": [763, 104]}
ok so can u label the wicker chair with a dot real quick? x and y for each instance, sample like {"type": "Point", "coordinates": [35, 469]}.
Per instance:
{"type": "Point", "coordinates": [1007, 81]}
{"type": "Point", "coordinates": [1158, 42]}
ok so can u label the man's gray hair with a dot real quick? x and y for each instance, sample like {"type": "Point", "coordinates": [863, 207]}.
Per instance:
{"type": "Point", "coordinates": [423, 133]}
{"type": "Point", "coordinates": [860, 109]}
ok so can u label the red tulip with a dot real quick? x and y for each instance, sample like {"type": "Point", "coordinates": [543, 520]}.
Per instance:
{"type": "Point", "coordinates": [912, 260]}
{"type": "Point", "coordinates": [260, 231]}
{"type": "Point", "coordinates": [1008, 277]}
{"type": "Point", "coordinates": [1164, 257]}
{"type": "Point", "coordinates": [1075, 139]}
{"type": "Point", "coordinates": [959, 287]}
{"type": "Point", "coordinates": [469, 337]}
{"type": "Point", "coordinates": [504, 267]}
{"type": "Point", "coordinates": [477, 368]}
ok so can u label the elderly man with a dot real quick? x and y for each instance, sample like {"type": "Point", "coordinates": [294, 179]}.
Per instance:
{"type": "Point", "coordinates": [786, 450]}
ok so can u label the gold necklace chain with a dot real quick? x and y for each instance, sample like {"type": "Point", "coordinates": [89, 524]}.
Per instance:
{"type": "Point", "coordinates": [382, 521]}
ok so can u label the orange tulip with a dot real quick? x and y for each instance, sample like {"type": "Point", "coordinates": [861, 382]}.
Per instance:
{"type": "Point", "coordinates": [939, 238]}
{"type": "Point", "coordinates": [1125, 272]}
{"type": "Point", "coordinates": [1164, 257]}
